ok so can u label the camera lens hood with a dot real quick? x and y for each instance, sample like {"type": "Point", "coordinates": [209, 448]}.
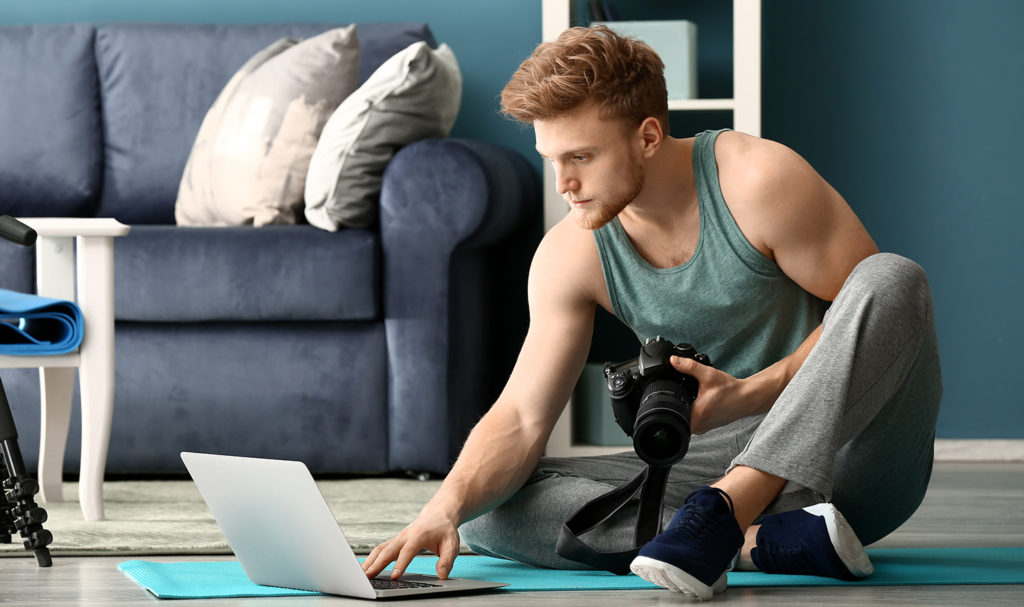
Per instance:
{"type": "Point", "coordinates": [661, 434]}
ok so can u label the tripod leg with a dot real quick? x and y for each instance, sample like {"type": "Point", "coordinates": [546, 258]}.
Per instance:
{"type": "Point", "coordinates": [7, 528]}
{"type": "Point", "coordinates": [17, 503]}
{"type": "Point", "coordinates": [7, 432]}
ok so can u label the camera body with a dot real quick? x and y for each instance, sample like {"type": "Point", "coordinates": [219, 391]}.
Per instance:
{"type": "Point", "coordinates": [651, 400]}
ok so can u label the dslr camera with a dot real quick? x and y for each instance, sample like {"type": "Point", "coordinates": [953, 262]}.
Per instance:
{"type": "Point", "coordinates": [651, 400]}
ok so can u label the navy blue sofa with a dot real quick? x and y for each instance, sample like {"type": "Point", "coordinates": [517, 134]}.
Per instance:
{"type": "Point", "coordinates": [360, 351]}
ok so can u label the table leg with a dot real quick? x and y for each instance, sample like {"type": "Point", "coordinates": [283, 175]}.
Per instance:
{"type": "Point", "coordinates": [55, 277]}
{"type": "Point", "coordinates": [56, 386]}
{"type": "Point", "coordinates": [96, 369]}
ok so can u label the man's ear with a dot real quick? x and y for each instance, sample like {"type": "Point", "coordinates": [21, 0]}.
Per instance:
{"type": "Point", "coordinates": [651, 136]}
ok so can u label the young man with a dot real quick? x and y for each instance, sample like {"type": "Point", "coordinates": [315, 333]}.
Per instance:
{"type": "Point", "coordinates": [826, 383]}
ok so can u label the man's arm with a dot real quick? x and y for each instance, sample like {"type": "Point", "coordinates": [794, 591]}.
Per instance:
{"type": "Point", "coordinates": [506, 444]}
{"type": "Point", "coordinates": [794, 217]}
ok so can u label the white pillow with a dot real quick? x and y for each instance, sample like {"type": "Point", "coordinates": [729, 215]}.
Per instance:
{"type": "Point", "coordinates": [413, 95]}
{"type": "Point", "coordinates": [248, 164]}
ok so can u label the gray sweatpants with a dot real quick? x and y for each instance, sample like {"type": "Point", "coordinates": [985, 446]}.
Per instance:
{"type": "Point", "coordinates": [855, 426]}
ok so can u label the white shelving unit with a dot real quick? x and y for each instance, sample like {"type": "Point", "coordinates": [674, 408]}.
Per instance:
{"type": "Point", "coordinates": [746, 115]}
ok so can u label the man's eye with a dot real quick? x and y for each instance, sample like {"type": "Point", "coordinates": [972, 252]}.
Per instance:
{"type": "Point", "coordinates": [579, 157]}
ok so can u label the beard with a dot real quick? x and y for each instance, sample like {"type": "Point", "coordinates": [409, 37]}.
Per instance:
{"type": "Point", "coordinates": [600, 212]}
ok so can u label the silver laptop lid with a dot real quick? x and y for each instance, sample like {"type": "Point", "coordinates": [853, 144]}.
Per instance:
{"type": "Point", "coordinates": [284, 533]}
{"type": "Point", "coordinates": [278, 523]}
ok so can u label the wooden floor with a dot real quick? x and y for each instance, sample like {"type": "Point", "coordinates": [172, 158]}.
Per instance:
{"type": "Point", "coordinates": [967, 505]}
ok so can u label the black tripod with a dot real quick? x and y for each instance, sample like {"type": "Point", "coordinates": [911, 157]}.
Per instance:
{"type": "Point", "coordinates": [18, 509]}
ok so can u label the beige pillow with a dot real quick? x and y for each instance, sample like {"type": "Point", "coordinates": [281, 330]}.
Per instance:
{"type": "Point", "coordinates": [248, 164]}
{"type": "Point", "coordinates": [413, 95]}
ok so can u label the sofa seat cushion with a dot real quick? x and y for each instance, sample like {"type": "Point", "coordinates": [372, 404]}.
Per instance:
{"type": "Point", "coordinates": [158, 80]}
{"type": "Point", "coordinates": [312, 392]}
{"type": "Point", "coordinates": [239, 274]}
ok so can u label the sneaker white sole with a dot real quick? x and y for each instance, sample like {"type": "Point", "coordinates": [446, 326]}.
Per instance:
{"type": "Point", "coordinates": [675, 579]}
{"type": "Point", "coordinates": [851, 552]}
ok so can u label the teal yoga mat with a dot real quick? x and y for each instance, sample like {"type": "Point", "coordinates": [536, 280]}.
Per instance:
{"type": "Point", "coordinates": [893, 567]}
{"type": "Point", "coordinates": [31, 325]}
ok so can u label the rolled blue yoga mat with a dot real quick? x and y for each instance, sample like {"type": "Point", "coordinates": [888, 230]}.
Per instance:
{"type": "Point", "coordinates": [31, 325]}
{"type": "Point", "coordinates": [893, 567]}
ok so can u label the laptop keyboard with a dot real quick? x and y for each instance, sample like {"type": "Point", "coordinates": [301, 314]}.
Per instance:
{"type": "Point", "coordinates": [389, 584]}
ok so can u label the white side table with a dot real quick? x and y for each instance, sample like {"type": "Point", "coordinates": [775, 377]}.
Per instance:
{"type": "Point", "coordinates": [60, 242]}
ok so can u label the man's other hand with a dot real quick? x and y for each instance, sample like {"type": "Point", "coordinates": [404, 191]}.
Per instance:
{"type": "Point", "coordinates": [721, 398]}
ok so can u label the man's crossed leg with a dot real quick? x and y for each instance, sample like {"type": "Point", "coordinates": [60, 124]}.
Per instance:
{"type": "Point", "coordinates": [853, 433]}
{"type": "Point", "coordinates": [863, 403]}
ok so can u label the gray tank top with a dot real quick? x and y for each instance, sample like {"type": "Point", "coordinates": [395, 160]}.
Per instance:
{"type": "Point", "coordinates": [727, 300]}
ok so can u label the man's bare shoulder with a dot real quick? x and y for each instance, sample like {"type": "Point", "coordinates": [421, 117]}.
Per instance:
{"type": "Point", "coordinates": [754, 162]}
{"type": "Point", "coordinates": [790, 213]}
{"type": "Point", "coordinates": [766, 186]}
{"type": "Point", "coordinates": [567, 259]}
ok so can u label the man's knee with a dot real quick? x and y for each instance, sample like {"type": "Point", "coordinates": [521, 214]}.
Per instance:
{"type": "Point", "coordinates": [478, 534]}
{"type": "Point", "coordinates": [891, 285]}
{"type": "Point", "coordinates": [889, 273]}
{"type": "Point", "coordinates": [527, 537]}
{"type": "Point", "coordinates": [875, 510]}
{"type": "Point", "coordinates": [482, 533]}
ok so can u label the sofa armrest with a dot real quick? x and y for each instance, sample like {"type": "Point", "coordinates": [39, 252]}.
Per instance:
{"type": "Point", "coordinates": [465, 192]}
{"type": "Point", "coordinates": [459, 221]}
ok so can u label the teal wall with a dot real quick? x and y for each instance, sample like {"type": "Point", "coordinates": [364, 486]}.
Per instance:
{"type": "Point", "coordinates": [490, 39]}
{"type": "Point", "coordinates": [911, 108]}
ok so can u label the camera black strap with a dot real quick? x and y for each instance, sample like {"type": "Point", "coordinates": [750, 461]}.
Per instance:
{"type": "Point", "coordinates": [650, 484]}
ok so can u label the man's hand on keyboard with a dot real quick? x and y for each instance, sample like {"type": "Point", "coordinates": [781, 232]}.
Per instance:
{"type": "Point", "coordinates": [432, 530]}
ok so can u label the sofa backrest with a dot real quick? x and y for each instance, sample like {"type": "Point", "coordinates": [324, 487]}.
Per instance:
{"type": "Point", "coordinates": [111, 131]}
{"type": "Point", "coordinates": [51, 151]}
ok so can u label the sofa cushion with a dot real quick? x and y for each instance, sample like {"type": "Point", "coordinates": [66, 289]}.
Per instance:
{"type": "Point", "coordinates": [17, 267]}
{"type": "Point", "coordinates": [303, 391]}
{"type": "Point", "coordinates": [313, 392]}
{"type": "Point", "coordinates": [415, 95]}
{"type": "Point", "coordinates": [248, 164]}
{"type": "Point", "coordinates": [180, 274]}
{"type": "Point", "coordinates": [50, 141]}
{"type": "Point", "coordinates": [159, 80]}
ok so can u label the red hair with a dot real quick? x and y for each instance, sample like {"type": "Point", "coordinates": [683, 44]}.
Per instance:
{"type": "Point", "coordinates": [622, 76]}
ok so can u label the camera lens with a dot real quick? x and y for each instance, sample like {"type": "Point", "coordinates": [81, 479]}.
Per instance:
{"type": "Point", "coordinates": [661, 435]}
{"type": "Point", "coordinates": [661, 440]}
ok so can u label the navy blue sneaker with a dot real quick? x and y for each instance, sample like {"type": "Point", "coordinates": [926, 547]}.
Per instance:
{"type": "Point", "coordinates": [699, 546]}
{"type": "Point", "coordinates": [814, 541]}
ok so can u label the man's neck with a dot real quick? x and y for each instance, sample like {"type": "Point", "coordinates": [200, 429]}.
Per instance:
{"type": "Point", "coordinates": [669, 195]}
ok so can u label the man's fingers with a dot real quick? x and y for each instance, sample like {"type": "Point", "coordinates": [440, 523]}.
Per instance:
{"type": "Point", "coordinates": [403, 560]}
{"type": "Point", "coordinates": [446, 557]}
{"type": "Point", "coordinates": [444, 567]}
{"type": "Point", "coordinates": [375, 563]}
{"type": "Point", "coordinates": [685, 365]}
{"type": "Point", "coordinates": [406, 545]}
{"type": "Point", "coordinates": [370, 558]}
{"type": "Point", "coordinates": [371, 568]}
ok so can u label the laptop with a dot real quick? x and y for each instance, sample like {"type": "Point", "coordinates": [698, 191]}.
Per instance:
{"type": "Point", "coordinates": [284, 534]}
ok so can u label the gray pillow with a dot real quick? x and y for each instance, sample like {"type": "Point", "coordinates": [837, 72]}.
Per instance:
{"type": "Point", "coordinates": [248, 164]}
{"type": "Point", "coordinates": [413, 95]}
